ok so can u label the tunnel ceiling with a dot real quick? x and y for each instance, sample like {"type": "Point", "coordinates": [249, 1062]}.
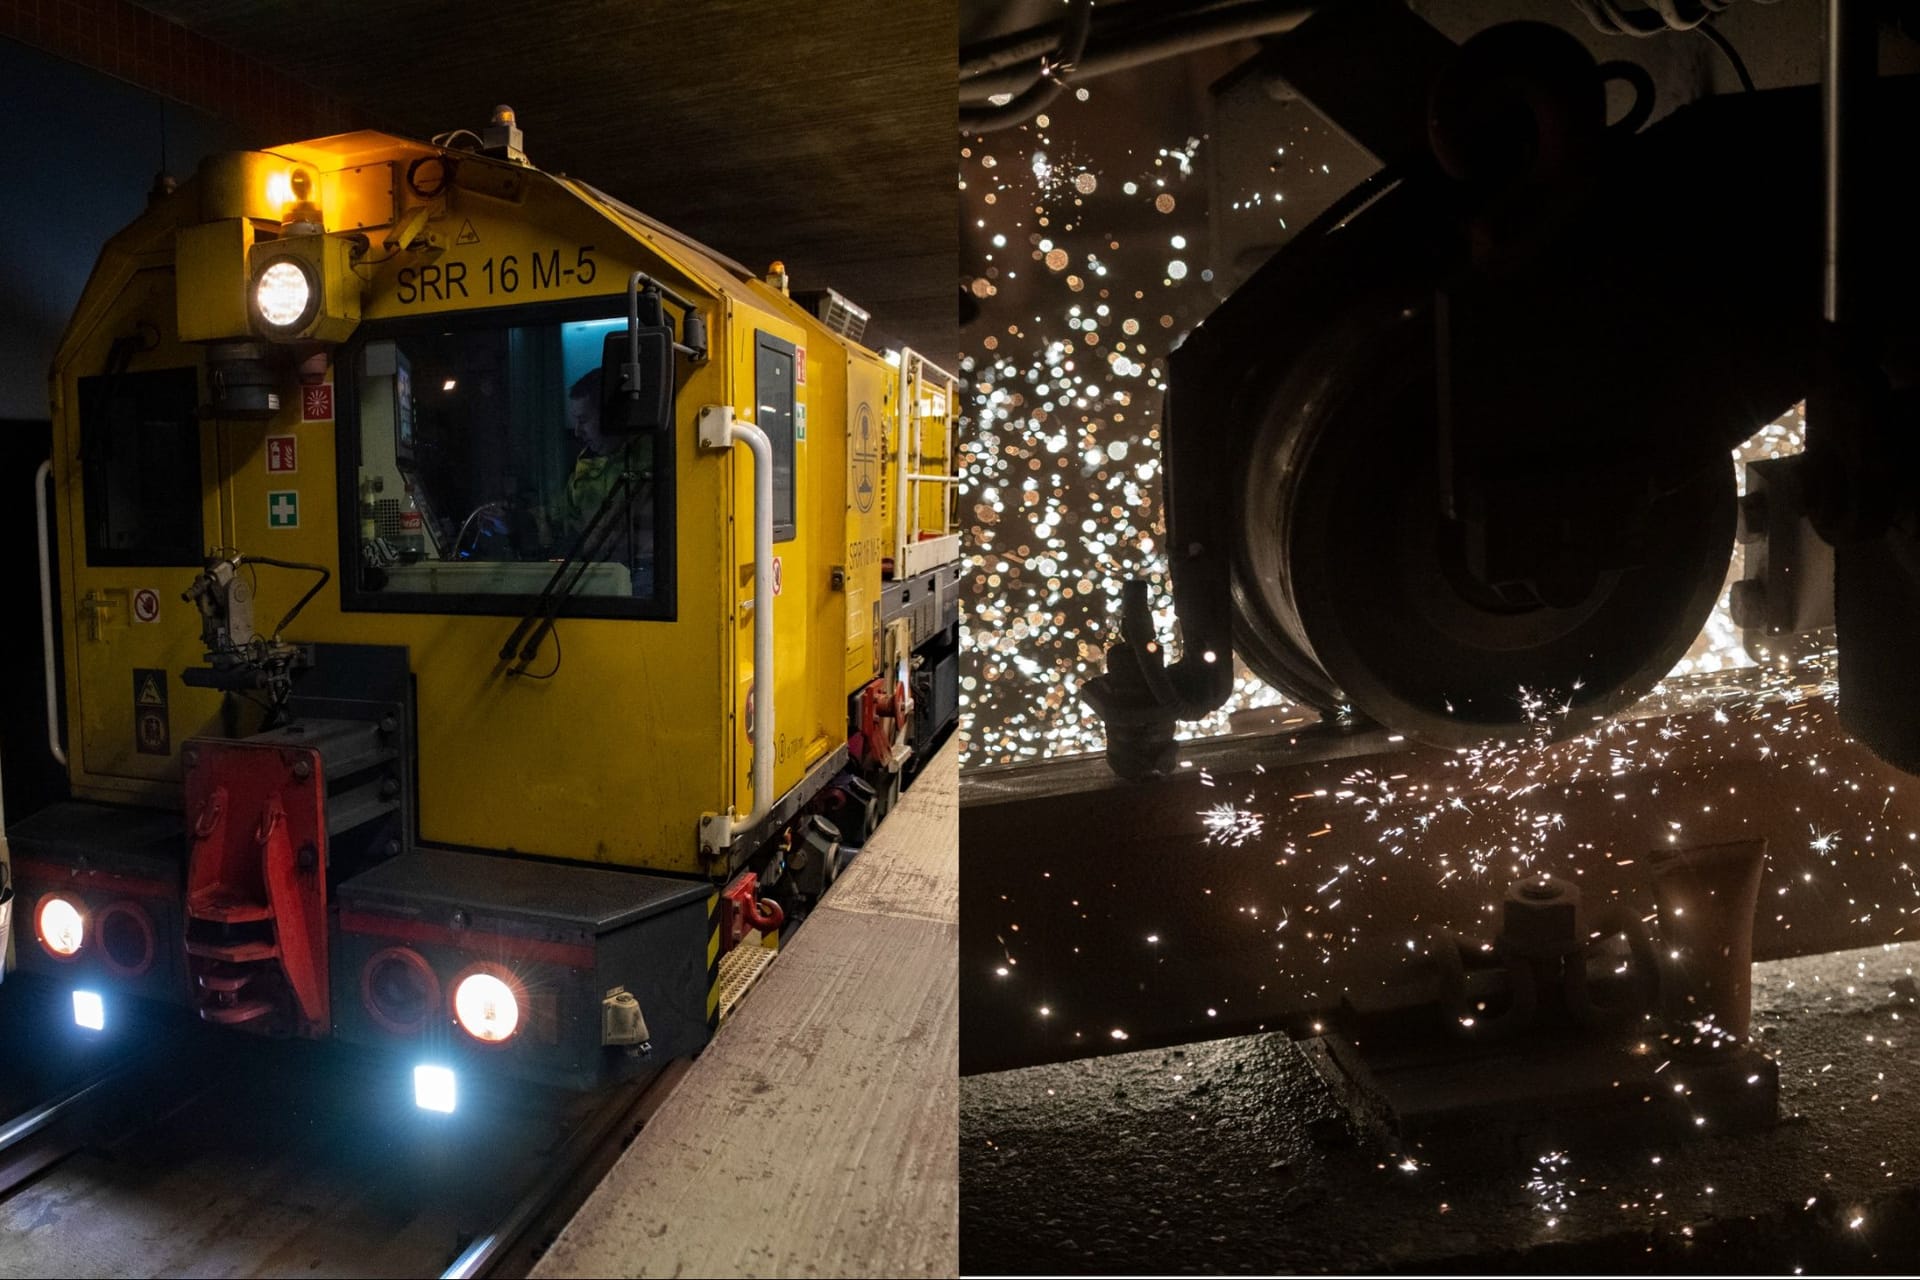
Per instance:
{"type": "Point", "coordinates": [767, 128]}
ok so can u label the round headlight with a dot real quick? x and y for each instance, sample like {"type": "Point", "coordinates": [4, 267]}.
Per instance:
{"type": "Point", "coordinates": [487, 1007]}
{"type": "Point", "coordinates": [283, 294]}
{"type": "Point", "coordinates": [61, 925]}
{"type": "Point", "coordinates": [399, 990]}
{"type": "Point", "coordinates": [126, 938]}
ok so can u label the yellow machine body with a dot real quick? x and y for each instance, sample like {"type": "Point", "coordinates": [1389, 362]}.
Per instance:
{"type": "Point", "coordinates": [644, 726]}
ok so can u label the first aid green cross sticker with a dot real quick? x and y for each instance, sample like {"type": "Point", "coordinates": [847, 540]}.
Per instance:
{"type": "Point", "coordinates": [283, 509]}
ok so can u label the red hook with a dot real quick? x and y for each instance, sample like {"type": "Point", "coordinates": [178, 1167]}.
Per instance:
{"type": "Point", "coordinates": [773, 918]}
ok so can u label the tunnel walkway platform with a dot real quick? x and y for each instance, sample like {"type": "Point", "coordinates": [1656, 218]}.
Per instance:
{"type": "Point", "coordinates": [816, 1134]}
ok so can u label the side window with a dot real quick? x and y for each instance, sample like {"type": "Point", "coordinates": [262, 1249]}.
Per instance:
{"type": "Point", "coordinates": [773, 394]}
{"type": "Point", "coordinates": [140, 467]}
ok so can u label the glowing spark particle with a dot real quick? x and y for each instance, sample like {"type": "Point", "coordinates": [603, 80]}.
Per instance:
{"type": "Point", "coordinates": [1230, 825]}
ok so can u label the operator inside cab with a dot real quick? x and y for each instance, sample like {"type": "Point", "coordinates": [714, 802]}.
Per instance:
{"type": "Point", "coordinates": [629, 540]}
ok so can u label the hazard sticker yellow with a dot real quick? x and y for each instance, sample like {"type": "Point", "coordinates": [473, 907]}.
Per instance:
{"type": "Point", "coordinates": [152, 734]}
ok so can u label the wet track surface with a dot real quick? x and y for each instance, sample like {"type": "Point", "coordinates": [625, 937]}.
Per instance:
{"type": "Point", "coordinates": [1230, 1155]}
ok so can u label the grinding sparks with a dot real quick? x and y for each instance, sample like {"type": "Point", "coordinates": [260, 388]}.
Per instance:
{"type": "Point", "coordinates": [1230, 825]}
{"type": "Point", "coordinates": [1549, 1187]}
{"type": "Point", "coordinates": [1071, 263]}
{"type": "Point", "coordinates": [1086, 270]}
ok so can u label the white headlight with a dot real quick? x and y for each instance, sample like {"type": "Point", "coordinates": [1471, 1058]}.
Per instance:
{"type": "Point", "coordinates": [486, 1008]}
{"type": "Point", "coordinates": [89, 1010]}
{"type": "Point", "coordinates": [282, 293]}
{"type": "Point", "coordinates": [433, 1088]}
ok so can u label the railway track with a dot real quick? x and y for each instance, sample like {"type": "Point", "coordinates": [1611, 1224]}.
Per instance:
{"type": "Point", "coordinates": [172, 1160]}
{"type": "Point", "coordinates": [44, 1134]}
{"type": "Point", "coordinates": [525, 1231]}
{"type": "Point", "coordinates": [93, 1104]}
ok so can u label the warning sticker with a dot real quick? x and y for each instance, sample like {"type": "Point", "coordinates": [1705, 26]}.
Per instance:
{"type": "Point", "coordinates": [799, 366]}
{"type": "Point", "coordinates": [151, 734]}
{"type": "Point", "coordinates": [467, 234]}
{"type": "Point", "coordinates": [865, 457]}
{"type": "Point", "coordinates": [146, 605]}
{"type": "Point", "coordinates": [316, 403]}
{"type": "Point", "coordinates": [283, 509]}
{"type": "Point", "coordinates": [282, 454]}
{"type": "Point", "coordinates": [776, 575]}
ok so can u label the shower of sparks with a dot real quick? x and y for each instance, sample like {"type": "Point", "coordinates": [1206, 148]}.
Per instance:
{"type": "Point", "coordinates": [1673, 772]}
{"type": "Point", "coordinates": [1061, 464]}
{"type": "Point", "coordinates": [1549, 1188]}
{"type": "Point", "coordinates": [1088, 267]}
{"type": "Point", "coordinates": [1230, 825]}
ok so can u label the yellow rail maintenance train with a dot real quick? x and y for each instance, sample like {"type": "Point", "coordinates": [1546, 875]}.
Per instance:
{"type": "Point", "coordinates": [482, 610]}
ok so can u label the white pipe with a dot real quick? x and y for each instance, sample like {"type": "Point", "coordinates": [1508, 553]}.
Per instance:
{"type": "Point", "coordinates": [902, 486]}
{"type": "Point", "coordinates": [718, 428]}
{"type": "Point", "coordinates": [763, 741]}
{"type": "Point", "coordinates": [46, 611]}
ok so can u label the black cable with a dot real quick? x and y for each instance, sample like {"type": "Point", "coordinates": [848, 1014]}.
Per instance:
{"type": "Point", "coordinates": [551, 617]}
{"type": "Point", "coordinates": [1054, 68]}
{"type": "Point", "coordinates": [557, 655]}
{"type": "Point", "coordinates": [1732, 55]}
{"type": "Point", "coordinates": [1641, 81]}
{"type": "Point", "coordinates": [326, 576]}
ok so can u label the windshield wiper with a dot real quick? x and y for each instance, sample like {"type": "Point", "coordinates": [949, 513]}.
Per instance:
{"type": "Point", "coordinates": [547, 606]}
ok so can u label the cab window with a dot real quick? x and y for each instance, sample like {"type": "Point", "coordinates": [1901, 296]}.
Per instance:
{"type": "Point", "coordinates": [774, 399]}
{"type": "Point", "coordinates": [474, 464]}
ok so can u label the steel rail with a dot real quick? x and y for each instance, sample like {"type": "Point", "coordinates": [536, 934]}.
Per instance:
{"type": "Point", "coordinates": [19, 1162]}
{"type": "Point", "coordinates": [588, 1152]}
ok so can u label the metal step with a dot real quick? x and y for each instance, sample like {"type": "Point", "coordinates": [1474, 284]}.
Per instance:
{"type": "Point", "coordinates": [740, 968]}
{"type": "Point", "coordinates": [226, 910]}
{"type": "Point", "coordinates": [234, 953]}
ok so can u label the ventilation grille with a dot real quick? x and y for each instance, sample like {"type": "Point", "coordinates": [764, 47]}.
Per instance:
{"type": "Point", "coordinates": [837, 313]}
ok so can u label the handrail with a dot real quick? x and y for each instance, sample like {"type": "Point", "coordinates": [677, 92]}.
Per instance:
{"type": "Point", "coordinates": [40, 478]}
{"type": "Point", "coordinates": [917, 374]}
{"type": "Point", "coordinates": [720, 429]}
